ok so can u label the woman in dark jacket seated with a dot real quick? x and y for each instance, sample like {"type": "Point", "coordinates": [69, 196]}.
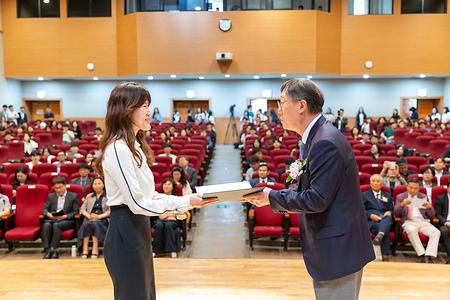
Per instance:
{"type": "Point", "coordinates": [96, 214]}
{"type": "Point", "coordinates": [167, 228]}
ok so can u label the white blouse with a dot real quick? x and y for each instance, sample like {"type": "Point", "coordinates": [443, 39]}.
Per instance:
{"type": "Point", "coordinates": [127, 183]}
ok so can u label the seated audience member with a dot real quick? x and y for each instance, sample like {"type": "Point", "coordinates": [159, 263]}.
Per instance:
{"type": "Point", "coordinates": [391, 176]}
{"type": "Point", "coordinates": [379, 210]}
{"type": "Point", "coordinates": [29, 145]}
{"type": "Point", "coordinates": [59, 211]}
{"type": "Point", "coordinates": [167, 229]}
{"type": "Point", "coordinates": [415, 212]}
{"type": "Point", "coordinates": [254, 164]}
{"type": "Point", "coordinates": [98, 133]}
{"type": "Point", "coordinates": [46, 153]}
{"type": "Point", "coordinates": [365, 139]}
{"type": "Point", "coordinates": [276, 143]}
{"type": "Point", "coordinates": [403, 168]}
{"type": "Point", "coordinates": [8, 137]}
{"type": "Point", "coordinates": [96, 214]}
{"type": "Point", "coordinates": [179, 176]}
{"type": "Point", "coordinates": [21, 177]}
{"type": "Point", "coordinates": [35, 160]}
{"type": "Point", "coordinates": [76, 130]}
{"type": "Point", "coordinates": [73, 152]}
{"type": "Point", "coordinates": [168, 152]}
{"type": "Point", "coordinates": [263, 175]}
{"type": "Point", "coordinates": [427, 180]}
{"type": "Point", "coordinates": [374, 139]}
{"type": "Point", "coordinates": [388, 134]}
{"type": "Point", "coordinates": [89, 159]}
{"type": "Point", "coordinates": [5, 208]}
{"type": "Point", "coordinates": [183, 162]}
{"type": "Point", "coordinates": [443, 213]}
{"type": "Point", "coordinates": [61, 160]}
{"type": "Point", "coordinates": [401, 152]}
{"type": "Point", "coordinates": [439, 170]}
{"type": "Point", "coordinates": [68, 136]}
{"type": "Point", "coordinates": [375, 152]}
{"type": "Point", "coordinates": [84, 180]}
{"type": "Point", "coordinates": [287, 165]}
{"type": "Point", "coordinates": [354, 133]}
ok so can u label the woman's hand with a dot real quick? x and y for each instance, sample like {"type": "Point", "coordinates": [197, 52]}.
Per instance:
{"type": "Point", "coordinates": [197, 201]}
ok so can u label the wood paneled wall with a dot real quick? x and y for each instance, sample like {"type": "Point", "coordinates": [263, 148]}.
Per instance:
{"type": "Point", "coordinates": [271, 42]}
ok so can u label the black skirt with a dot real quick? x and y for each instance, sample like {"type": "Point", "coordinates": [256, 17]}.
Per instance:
{"type": "Point", "coordinates": [128, 255]}
{"type": "Point", "coordinates": [95, 228]}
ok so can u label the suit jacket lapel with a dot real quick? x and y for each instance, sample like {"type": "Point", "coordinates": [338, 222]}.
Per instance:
{"type": "Point", "coordinates": [312, 133]}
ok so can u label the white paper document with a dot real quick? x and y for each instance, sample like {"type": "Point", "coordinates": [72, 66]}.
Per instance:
{"type": "Point", "coordinates": [227, 191]}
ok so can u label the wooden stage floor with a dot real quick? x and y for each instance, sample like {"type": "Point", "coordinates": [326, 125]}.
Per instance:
{"type": "Point", "coordinates": [215, 279]}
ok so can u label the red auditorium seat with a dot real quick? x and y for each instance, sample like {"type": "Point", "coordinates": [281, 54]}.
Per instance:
{"type": "Point", "coordinates": [281, 159]}
{"type": "Point", "coordinates": [47, 178]}
{"type": "Point", "coordinates": [45, 139]}
{"type": "Point", "coordinates": [437, 191]}
{"type": "Point", "coordinates": [70, 169]}
{"type": "Point", "coordinates": [9, 168]}
{"type": "Point", "coordinates": [416, 160]}
{"type": "Point", "coordinates": [362, 147]}
{"type": "Point", "coordinates": [387, 147]}
{"type": "Point", "coordinates": [7, 190]}
{"type": "Point", "coordinates": [371, 168]}
{"type": "Point", "coordinates": [44, 168]}
{"type": "Point", "coordinates": [163, 159]}
{"type": "Point", "coordinates": [263, 222]}
{"type": "Point", "coordinates": [88, 147]}
{"type": "Point", "coordinates": [382, 159]}
{"type": "Point", "coordinates": [362, 160]}
{"type": "Point", "coordinates": [365, 187]}
{"type": "Point", "coordinates": [294, 228]}
{"type": "Point", "coordinates": [422, 143]}
{"type": "Point", "coordinates": [437, 147]}
{"type": "Point", "coordinates": [159, 168]}
{"type": "Point", "coordinates": [280, 152]}
{"type": "Point", "coordinates": [3, 178]}
{"type": "Point", "coordinates": [364, 178]}
{"type": "Point", "coordinates": [30, 200]}
{"type": "Point", "coordinates": [16, 150]}
{"type": "Point", "coordinates": [4, 153]}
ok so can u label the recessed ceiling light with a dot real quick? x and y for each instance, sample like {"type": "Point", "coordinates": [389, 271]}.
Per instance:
{"type": "Point", "coordinates": [95, 78]}
{"type": "Point", "coordinates": [256, 77]}
{"type": "Point", "coordinates": [309, 77]}
{"type": "Point", "coordinates": [227, 75]}
{"type": "Point", "coordinates": [46, 1]}
{"type": "Point", "coordinates": [40, 78]}
{"type": "Point", "coordinates": [366, 76]}
{"type": "Point", "coordinates": [201, 77]}
{"type": "Point", "coordinates": [422, 75]}
{"type": "Point", "coordinates": [150, 77]}
{"type": "Point", "coordinates": [173, 76]}
{"type": "Point", "coordinates": [283, 75]}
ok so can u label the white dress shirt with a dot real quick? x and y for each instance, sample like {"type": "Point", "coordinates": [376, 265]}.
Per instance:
{"type": "Point", "coordinates": [127, 183]}
{"type": "Point", "coordinates": [308, 129]}
{"type": "Point", "coordinates": [61, 200]}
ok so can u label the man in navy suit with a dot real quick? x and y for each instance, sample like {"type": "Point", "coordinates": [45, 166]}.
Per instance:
{"type": "Point", "coordinates": [335, 236]}
{"type": "Point", "coordinates": [263, 175]}
{"type": "Point", "coordinates": [379, 210]}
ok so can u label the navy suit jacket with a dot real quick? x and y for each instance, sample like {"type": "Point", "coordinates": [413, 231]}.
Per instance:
{"type": "Point", "coordinates": [254, 181]}
{"type": "Point", "coordinates": [334, 232]}
{"type": "Point", "coordinates": [375, 206]}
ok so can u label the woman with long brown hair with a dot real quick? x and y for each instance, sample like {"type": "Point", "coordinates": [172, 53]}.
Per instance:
{"type": "Point", "coordinates": [124, 162]}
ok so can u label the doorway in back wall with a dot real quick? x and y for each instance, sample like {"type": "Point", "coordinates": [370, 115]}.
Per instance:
{"type": "Point", "coordinates": [35, 108]}
{"type": "Point", "coordinates": [184, 104]}
{"type": "Point", "coordinates": [422, 104]}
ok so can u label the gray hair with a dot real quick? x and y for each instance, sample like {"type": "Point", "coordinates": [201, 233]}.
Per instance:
{"type": "Point", "coordinates": [375, 176]}
{"type": "Point", "coordinates": [304, 89]}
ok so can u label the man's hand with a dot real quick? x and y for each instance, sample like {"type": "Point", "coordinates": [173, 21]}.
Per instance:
{"type": "Point", "coordinates": [375, 218]}
{"type": "Point", "coordinates": [94, 217]}
{"type": "Point", "coordinates": [197, 201]}
{"type": "Point", "coordinates": [387, 214]}
{"type": "Point", "coordinates": [50, 216]}
{"type": "Point", "coordinates": [406, 202]}
{"type": "Point", "coordinates": [60, 218]}
{"type": "Point", "coordinates": [426, 204]}
{"type": "Point", "coordinates": [447, 224]}
{"type": "Point", "coordinates": [259, 199]}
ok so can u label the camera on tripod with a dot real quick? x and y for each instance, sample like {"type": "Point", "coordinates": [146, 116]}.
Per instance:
{"type": "Point", "coordinates": [232, 109]}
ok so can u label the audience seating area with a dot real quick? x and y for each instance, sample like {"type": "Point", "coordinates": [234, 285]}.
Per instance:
{"type": "Point", "coordinates": [25, 221]}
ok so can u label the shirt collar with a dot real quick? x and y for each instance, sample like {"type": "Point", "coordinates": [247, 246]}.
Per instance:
{"type": "Point", "coordinates": [63, 196]}
{"type": "Point", "coordinates": [308, 129]}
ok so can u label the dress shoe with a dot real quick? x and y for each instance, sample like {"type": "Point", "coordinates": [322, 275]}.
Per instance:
{"type": "Point", "coordinates": [48, 254]}
{"type": "Point", "coordinates": [377, 240]}
{"type": "Point", "coordinates": [426, 259]}
{"type": "Point", "coordinates": [385, 258]}
{"type": "Point", "coordinates": [448, 262]}
{"type": "Point", "coordinates": [45, 250]}
{"type": "Point", "coordinates": [55, 254]}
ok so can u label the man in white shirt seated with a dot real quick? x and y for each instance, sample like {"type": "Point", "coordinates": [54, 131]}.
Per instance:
{"type": "Point", "coordinates": [168, 152]}
{"type": "Point", "coordinates": [415, 212]}
{"type": "Point", "coordinates": [263, 175]}
{"type": "Point", "coordinates": [73, 152]}
{"type": "Point", "coordinates": [427, 180]}
{"type": "Point", "coordinates": [61, 160]}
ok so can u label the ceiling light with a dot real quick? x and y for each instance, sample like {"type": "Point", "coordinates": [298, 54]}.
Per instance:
{"type": "Point", "coordinates": [309, 77]}
{"type": "Point", "coordinates": [422, 75]}
{"type": "Point", "coordinates": [227, 75]}
{"type": "Point", "coordinates": [366, 76]}
{"type": "Point", "coordinates": [201, 77]}
{"type": "Point", "coordinates": [256, 77]}
{"type": "Point", "coordinates": [283, 75]}
{"type": "Point", "coordinates": [197, 8]}
{"type": "Point", "coordinates": [150, 77]}
{"type": "Point", "coordinates": [173, 76]}
{"type": "Point", "coordinates": [40, 78]}
{"type": "Point", "coordinates": [46, 1]}
{"type": "Point", "coordinates": [95, 78]}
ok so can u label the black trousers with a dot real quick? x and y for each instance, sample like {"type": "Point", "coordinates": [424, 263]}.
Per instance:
{"type": "Point", "coordinates": [445, 238]}
{"type": "Point", "coordinates": [128, 255]}
{"type": "Point", "coordinates": [51, 232]}
{"type": "Point", "coordinates": [167, 236]}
